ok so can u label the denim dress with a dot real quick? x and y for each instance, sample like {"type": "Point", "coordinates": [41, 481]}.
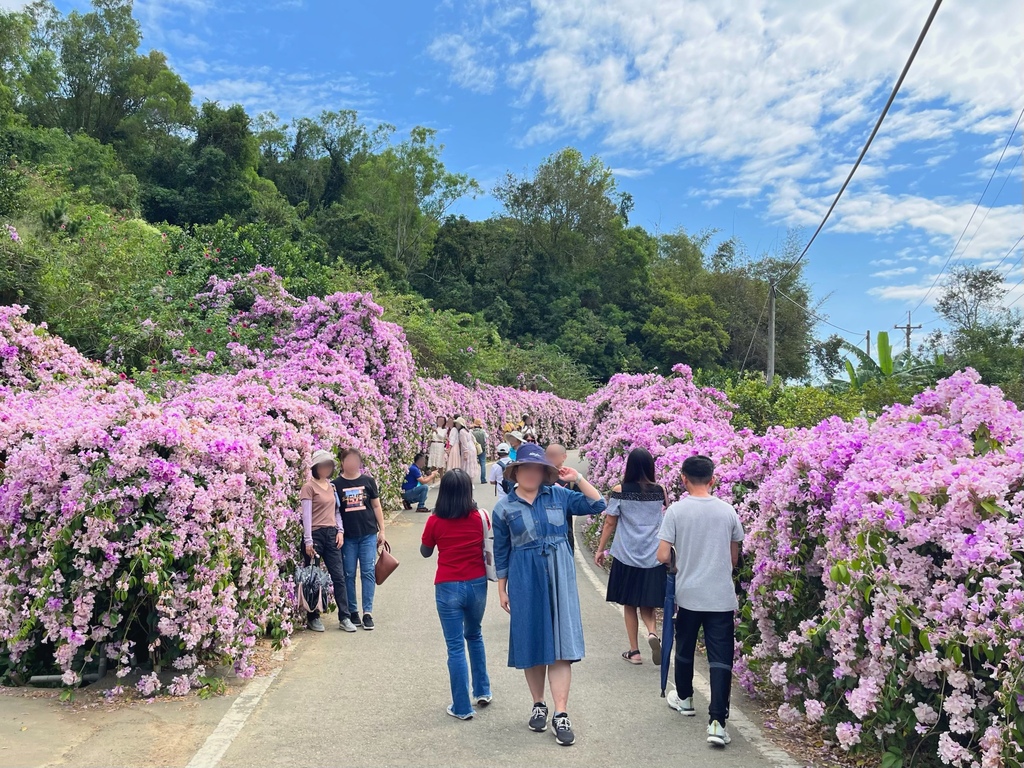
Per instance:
{"type": "Point", "coordinates": [531, 550]}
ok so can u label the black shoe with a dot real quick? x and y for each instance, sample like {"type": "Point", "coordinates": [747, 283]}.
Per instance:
{"type": "Point", "coordinates": [406, 505]}
{"type": "Point", "coordinates": [355, 619]}
{"type": "Point", "coordinates": [368, 622]}
{"type": "Point", "coordinates": [563, 730]}
{"type": "Point", "coordinates": [539, 718]}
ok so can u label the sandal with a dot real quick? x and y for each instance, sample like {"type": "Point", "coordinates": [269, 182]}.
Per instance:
{"type": "Point", "coordinates": [655, 643]}
{"type": "Point", "coordinates": [633, 657]}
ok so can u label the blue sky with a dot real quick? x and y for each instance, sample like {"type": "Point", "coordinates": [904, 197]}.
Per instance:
{"type": "Point", "coordinates": [742, 116]}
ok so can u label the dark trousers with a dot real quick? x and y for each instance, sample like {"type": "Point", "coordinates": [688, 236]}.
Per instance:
{"type": "Point", "coordinates": [324, 541]}
{"type": "Point", "coordinates": [719, 639]}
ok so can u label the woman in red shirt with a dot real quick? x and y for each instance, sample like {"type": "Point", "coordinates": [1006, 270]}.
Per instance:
{"type": "Point", "coordinates": [456, 529]}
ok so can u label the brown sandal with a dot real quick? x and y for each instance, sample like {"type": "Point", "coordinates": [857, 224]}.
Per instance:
{"type": "Point", "coordinates": [633, 657]}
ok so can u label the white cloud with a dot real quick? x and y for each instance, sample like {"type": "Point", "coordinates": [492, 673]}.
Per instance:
{"type": "Point", "coordinates": [895, 272]}
{"type": "Point", "coordinates": [467, 68]}
{"type": "Point", "coordinates": [288, 94]}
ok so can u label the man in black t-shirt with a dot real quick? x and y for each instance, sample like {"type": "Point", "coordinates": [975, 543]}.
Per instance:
{"type": "Point", "coordinates": [363, 519]}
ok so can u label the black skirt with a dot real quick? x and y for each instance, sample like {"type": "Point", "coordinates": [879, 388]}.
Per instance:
{"type": "Point", "coordinates": [643, 587]}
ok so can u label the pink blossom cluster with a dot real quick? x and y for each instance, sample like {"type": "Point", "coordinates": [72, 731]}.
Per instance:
{"type": "Point", "coordinates": [884, 595]}
{"type": "Point", "coordinates": [159, 526]}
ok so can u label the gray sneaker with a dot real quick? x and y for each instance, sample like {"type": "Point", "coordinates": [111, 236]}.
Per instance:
{"type": "Point", "coordinates": [346, 625]}
{"type": "Point", "coordinates": [315, 625]}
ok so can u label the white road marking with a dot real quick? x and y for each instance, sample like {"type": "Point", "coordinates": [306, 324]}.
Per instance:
{"type": "Point", "coordinates": [218, 742]}
{"type": "Point", "coordinates": [746, 727]}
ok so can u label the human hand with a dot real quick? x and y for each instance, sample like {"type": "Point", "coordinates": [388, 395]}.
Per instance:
{"type": "Point", "coordinates": [503, 599]}
{"type": "Point", "coordinates": [569, 475]}
{"type": "Point", "coordinates": [599, 559]}
{"type": "Point", "coordinates": [381, 540]}
{"type": "Point", "coordinates": [309, 551]}
{"type": "Point", "coordinates": [339, 540]}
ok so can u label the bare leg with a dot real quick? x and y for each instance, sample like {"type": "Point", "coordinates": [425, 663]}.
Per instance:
{"type": "Point", "coordinates": [535, 679]}
{"type": "Point", "coordinates": [647, 614]}
{"type": "Point", "coordinates": [560, 678]}
{"type": "Point", "coordinates": [632, 626]}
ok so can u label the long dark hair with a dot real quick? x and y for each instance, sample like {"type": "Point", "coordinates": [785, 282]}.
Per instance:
{"type": "Point", "coordinates": [639, 467]}
{"type": "Point", "coordinates": [455, 497]}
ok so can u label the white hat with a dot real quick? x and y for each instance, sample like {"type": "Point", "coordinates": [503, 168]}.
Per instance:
{"type": "Point", "coordinates": [516, 435]}
{"type": "Point", "coordinates": [321, 457]}
{"type": "Point", "coordinates": [504, 448]}
{"type": "Point", "coordinates": [461, 422]}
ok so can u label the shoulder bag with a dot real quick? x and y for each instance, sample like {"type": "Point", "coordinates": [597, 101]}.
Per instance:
{"type": "Point", "coordinates": [489, 567]}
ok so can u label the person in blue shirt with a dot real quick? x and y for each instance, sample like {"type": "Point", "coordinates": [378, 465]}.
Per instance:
{"type": "Point", "coordinates": [414, 489]}
{"type": "Point", "coordinates": [537, 579]}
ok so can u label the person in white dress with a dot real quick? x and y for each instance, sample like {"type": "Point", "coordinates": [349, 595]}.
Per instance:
{"type": "Point", "coordinates": [436, 458]}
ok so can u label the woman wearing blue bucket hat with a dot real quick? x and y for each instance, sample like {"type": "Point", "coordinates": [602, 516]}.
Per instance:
{"type": "Point", "coordinates": [537, 579]}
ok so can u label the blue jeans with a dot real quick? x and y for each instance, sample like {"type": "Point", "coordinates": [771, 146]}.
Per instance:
{"type": "Point", "coordinates": [361, 551]}
{"type": "Point", "coordinates": [417, 496]}
{"type": "Point", "coordinates": [482, 458]}
{"type": "Point", "coordinates": [460, 606]}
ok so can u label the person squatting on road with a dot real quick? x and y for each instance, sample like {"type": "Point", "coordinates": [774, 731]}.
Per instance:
{"type": "Point", "coordinates": [706, 534]}
{"type": "Point", "coordinates": [456, 529]}
{"type": "Point", "coordinates": [323, 533]}
{"type": "Point", "coordinates": [637, 580]}
{"type": "Point", "coordinates": [537, 579]}
{"type": "Point", "coordinates": [416, 486]}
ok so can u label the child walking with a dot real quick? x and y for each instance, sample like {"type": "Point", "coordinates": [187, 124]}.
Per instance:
{"type": "Point", "coordinates": [706, 534]}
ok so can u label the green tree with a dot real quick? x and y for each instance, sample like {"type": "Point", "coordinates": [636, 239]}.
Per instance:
{"type": "Point", "coordinates": [408, 190]}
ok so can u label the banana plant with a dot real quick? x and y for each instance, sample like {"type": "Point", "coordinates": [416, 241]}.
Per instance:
{"type": "Point", "coordinates": [903, 367]}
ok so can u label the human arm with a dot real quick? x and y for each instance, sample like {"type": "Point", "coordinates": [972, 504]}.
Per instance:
{"type": "Point", "coordinates": [611, 522]}
{"type": "Point", "coordinates": [588, 501]}
{"type": "Point", "coordinates": [378, 512]}
{"type": "Point", "coordinates": [667, 537]}
{"type": "Point", "coordinates": [737, 537]}
{"type": "Point", "coordinates": [428, 541]}
{"type": "Point", "coordinates": [735, 547]}
{"type": "Point", "coordinates": [664, 552]}
{"type": "Point", "coordinates": [502, 551]}
{"type": "Point", "coordinates": [307, 524]}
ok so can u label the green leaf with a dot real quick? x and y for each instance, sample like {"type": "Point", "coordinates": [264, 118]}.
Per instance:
{"type": "Point", "coordinates": [925, 642]}
{"type": "Point", "coordinates": [892, 759]}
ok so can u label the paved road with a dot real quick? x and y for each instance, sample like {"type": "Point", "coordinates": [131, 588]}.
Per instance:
{"type": "Point", "coordinates": [379, 698]}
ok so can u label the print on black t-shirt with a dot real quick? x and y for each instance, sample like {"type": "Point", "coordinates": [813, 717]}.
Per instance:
{"type": "Point", "coordinates": [356, 510]}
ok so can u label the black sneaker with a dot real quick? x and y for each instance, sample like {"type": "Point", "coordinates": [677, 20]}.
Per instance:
{"type": "Point", "coordinates": [356, 620]}
{"type": "Point", "coordinates": [368, 622]}
{"type": "Point", "coordinates": [539, 718]}
{"type": "Point", "coordinates": [563, 730]}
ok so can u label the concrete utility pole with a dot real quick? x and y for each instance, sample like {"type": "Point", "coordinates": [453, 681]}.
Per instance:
{"type": "Point", "coordinates": [771, 333]}
{"type": "Point", "coordinates": [868, 339]}
{"type": "Point", "coordinates": [907, 329]}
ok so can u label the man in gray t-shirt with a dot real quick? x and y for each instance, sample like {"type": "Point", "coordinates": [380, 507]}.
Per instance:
{"type": "Point", "coordinates": [705, 533]}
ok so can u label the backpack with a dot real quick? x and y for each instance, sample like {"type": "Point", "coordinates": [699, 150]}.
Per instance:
{"type": "Point", "coordinates": [506, 485]}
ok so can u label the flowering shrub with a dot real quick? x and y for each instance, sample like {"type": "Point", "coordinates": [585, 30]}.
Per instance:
{"type": "Point", "coordinates": [883, 560]}
{"type": "Point", "coordinates": [156, 521]}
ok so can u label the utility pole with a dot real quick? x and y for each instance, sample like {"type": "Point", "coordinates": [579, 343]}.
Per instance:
{"type": "Point", "coordinates": [907, 329]}
{"type": "Point", "coordinates": [771, 333]}
{"type": "Point", "coordinates": [868, 340]}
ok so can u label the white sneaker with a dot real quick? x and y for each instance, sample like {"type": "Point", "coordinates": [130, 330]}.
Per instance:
{"type": "Point", "coordinates": [717, 734]}
{"type": "Point", "coordinates": [346, 625]}
{"type": "Point", "coordinates": [682, 706]}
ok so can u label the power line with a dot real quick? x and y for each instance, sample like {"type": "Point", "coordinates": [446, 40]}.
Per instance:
{"type": "Point", "coordinates": [818, 317]}
{"type": "Point", "coordinates": [994, 201]}
{"type": "Point", "coordinates": [756, 328]}
{"type": "Point", "coordinates": [1007, 254]}
{"type": "Point", "coordinates": [871, 138]}
{"type": "Point", "coordinates": [949, 258]}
